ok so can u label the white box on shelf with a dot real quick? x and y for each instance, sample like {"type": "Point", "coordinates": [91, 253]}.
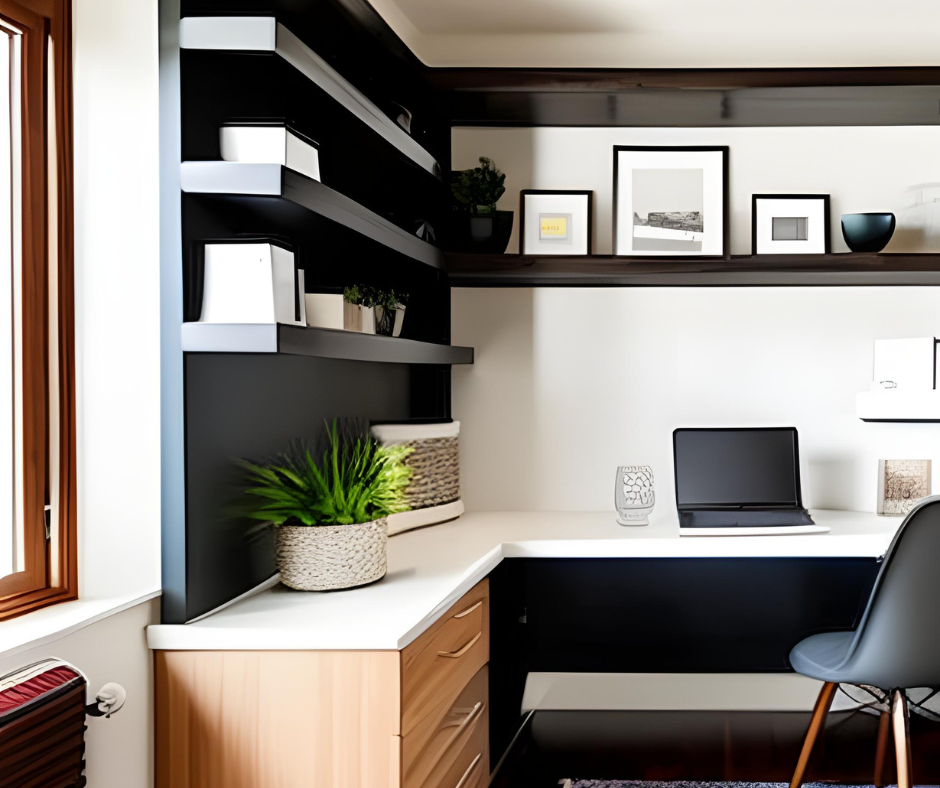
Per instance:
{"type": "Point", "coordinates": [249, 283]}
{"type": "Point", "coordinates": [905, 364]}
{"type": "Point", "coordinates": [324, 310]}
{"type": "Point", "coordinates": [266, 144]}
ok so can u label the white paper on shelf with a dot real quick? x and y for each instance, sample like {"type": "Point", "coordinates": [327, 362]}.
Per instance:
{"type": "Point", "coordinates": [260, 144]}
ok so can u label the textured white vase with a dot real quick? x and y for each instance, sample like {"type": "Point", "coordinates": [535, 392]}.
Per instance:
{"type": "Point", "coordinates": [634, 496]}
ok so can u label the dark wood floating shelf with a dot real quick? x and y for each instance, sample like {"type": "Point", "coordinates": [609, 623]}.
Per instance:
{"type": "Point", "coordinates": [318, 342]}
{"type": "Point", "coordinates": [273, 180]}
{"type": "Point", "coordinates": [849, 269]}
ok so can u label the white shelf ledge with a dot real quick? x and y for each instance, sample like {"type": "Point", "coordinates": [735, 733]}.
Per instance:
{"type": "Point", "coordinates": [911, 406]}
{"type": "Point", "coordinates": [266, 34]}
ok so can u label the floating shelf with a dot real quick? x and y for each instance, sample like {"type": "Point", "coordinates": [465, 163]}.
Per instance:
{"type": "Point", "coordinates": [909, 406]}
{"type": "Point", "coordinates": [266, 34]}
{"type": "Point", "coordinates": [319, 342]}
{"type": "Point", "coordinates": [849, 269]}
{"type": "Point", "coordinates": [273, 180]}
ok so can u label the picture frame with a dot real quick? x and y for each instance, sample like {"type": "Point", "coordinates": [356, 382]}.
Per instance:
{"type": "Point", "coordinates": [555, 221]}
{"type": "Point", "coordinates": [682, 190]}
{"type": "Point", "coordinates": [902, 484]}
{"type": "Point", "coordinates": [790, 224]}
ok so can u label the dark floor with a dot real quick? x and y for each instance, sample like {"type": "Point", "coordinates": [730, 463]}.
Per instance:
{"type": "Point", "coordinates": [755, 747]}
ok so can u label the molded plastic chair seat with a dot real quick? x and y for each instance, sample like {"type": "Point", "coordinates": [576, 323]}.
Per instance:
{"type": "Point", "coordinates": [824, 657]}
{"type": "Point", "coordinates": [896, 645]}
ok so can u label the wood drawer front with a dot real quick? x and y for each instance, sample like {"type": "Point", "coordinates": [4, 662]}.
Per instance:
{"type": "Point", "coordinates": [469, 767]}
{"type": "Point", "coordinates": [442, 734]}
{"type": "Point", "coordinates": [441, 662]}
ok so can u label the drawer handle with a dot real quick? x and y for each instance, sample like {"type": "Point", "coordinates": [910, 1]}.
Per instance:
{"type": "Point", "coordinates": [469, 610]}
{"type": "Point", "coordinates": [461, 651]}
{"type": "Point", "coordinates": [466, 720]}
{"type": "Point", "coordinates": [466, 774]}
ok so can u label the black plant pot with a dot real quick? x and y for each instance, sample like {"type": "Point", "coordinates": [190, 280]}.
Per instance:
{"type": "Point", "coordinates": [867, 232]}
{"type": "Point", "coordinates": [483, 234]}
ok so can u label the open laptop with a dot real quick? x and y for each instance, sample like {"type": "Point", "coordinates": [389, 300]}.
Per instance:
{"type": "Point", "coordinates": [736, 482]}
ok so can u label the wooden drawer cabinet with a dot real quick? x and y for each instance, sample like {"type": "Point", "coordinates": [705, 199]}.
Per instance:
{"type": "Point", "coordinates": [331, 719]}
{"type": "Point", "coordinates": [429, 751]}
{"type": "Point", "coordinates": [441, 661]}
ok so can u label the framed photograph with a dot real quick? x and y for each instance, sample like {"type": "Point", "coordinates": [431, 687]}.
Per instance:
{"type": "Point", "coordinates": [901, 484]}
{"type": "Point", "coordinates": [671, 201]}
{"type": "Point", "coordinates": [555, 222]}
{"type": "Point", "coordinates": [790, 224]}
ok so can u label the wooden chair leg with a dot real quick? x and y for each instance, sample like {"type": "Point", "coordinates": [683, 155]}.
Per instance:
{"type": "Point", "coordinates": [820, 710]}
{"type": "Point", "coordinates": [884, 727]}
{"type": "Point", "coordinates": [902, 739]}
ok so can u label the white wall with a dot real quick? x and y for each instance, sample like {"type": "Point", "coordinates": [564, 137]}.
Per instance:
{"type": "Point", "coordinates": [863, 169]}
{"type": "Point", "coordinates": [118, 751]}
{"type": "Point", "coordinates": [570, 383]}
{"type": "Point", "coordinates": [118, 295]}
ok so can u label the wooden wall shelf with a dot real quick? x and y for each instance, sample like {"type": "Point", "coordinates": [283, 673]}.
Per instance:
{"type": "Point", "coordinates": [850, 269]}
{"type": "Point", "coordinates": [318, 342]}
{"type": "Point", "coordinates": [273, 180]}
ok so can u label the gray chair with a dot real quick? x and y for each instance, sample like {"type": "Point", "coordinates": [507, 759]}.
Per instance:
{"type": "Point", "coordinates": [896, 644]}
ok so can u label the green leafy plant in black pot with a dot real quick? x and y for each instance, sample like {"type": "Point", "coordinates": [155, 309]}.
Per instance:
{"type": "Point", "coordinates": [477, 226]}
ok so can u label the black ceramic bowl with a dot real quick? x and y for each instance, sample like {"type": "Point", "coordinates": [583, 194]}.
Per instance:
{"type": "Point", "coordinates": [867, 232]}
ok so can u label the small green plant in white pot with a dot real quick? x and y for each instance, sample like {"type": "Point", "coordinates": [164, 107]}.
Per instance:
{"type": "Point", "coordinates": [330, 513]}
{"type": "Point", "coordinates": [358, 311]}
{"type": "Point", "coordinates": [389, 308]}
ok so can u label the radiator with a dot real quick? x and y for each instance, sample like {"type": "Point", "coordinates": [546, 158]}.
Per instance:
{"type": "Point", "coordinates": [42, 726]}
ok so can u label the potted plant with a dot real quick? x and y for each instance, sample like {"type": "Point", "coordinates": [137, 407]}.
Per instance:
{"type": "Point", "coordinates": [330, 514]}
{"type": "Point", "coordinates": [358, 313]}
{"type": "Point", "coordinates": [389, 308]}
{"type": "Point", "coordinates": [477, 225]}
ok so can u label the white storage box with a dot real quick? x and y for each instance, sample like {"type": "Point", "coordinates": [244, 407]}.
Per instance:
{"type": "Point", "coordinates": [257, 144]}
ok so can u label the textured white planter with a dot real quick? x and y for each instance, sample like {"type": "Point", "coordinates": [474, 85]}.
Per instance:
{"type": "Point", "coordinates": [331, 557]}
{"type": "Point", "coordinates": [358, 318]}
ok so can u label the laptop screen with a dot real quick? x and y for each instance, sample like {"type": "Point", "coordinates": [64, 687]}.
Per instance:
{"type": "Point", "coordinates": [737, 467]}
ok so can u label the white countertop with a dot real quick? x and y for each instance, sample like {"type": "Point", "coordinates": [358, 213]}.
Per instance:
{"type": "Point", "coordinates": [430, 569]}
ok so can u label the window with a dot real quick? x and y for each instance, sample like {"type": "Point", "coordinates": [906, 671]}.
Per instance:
{"type": "Point", "coordinates": [37, 369]}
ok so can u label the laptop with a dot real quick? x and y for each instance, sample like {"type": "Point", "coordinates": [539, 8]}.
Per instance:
{"type": "Point", "coordinates": [740, 481]}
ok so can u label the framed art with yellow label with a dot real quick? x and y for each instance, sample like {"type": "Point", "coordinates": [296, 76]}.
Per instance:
{"type": "Point", "coordinates": [555, 222]}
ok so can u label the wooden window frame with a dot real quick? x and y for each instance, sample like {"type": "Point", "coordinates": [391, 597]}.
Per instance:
{"type": "Point", "coordinates": [51, 565]}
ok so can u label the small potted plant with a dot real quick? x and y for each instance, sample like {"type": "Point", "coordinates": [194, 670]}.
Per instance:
{"type": "Point", "coordinates": [389, 308]}
{"type": "Point", "coordinates": [477, 225]}
{"type": "Point", "coordinates": [330, 513]}
{"type": "Point", "coordinates": [358, 312]}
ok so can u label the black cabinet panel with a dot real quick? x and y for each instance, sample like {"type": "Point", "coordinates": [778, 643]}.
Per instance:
{"type": "Point", "coordinates": [685, 615]}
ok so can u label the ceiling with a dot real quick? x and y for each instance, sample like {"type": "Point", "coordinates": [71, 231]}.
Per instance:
{"type": "Point", "coordinates": [673, 34]}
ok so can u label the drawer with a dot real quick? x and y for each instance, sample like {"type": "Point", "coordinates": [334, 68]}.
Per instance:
{"type": "Point", "coordinates": [440, 663]}
{"type": "Point", "coordinates": [440, 737]}
{"type": "Point", "coordinates": [470, 767]}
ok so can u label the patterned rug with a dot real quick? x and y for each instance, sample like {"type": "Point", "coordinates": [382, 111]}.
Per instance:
{"type": "Point", "coordinates": [638, 784]}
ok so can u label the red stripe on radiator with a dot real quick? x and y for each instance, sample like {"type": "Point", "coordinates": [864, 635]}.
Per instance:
{"type": "Point", "coordinates": [34, 688]}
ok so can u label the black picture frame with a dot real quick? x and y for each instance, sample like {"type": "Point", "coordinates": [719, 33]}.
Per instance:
{"type": "Point", "coordinates": [589, 193]}
{"type": "Point", "coordinates": [827, 233]}
{"type": "Point", "coordinates": [724, 150]}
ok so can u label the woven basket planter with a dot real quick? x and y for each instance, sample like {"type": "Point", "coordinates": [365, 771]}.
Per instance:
{"type": "Point", "coordinates": [434, 491]}
{"type": "Point", "coordinates": [331, 557]}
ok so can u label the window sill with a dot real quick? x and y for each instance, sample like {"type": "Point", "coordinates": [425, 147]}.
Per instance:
{"type": "Point", "coordinates": [53, 623]}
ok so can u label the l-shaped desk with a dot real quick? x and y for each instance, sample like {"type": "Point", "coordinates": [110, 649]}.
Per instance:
{"type": "Point", "coordinates": [574, 604]}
